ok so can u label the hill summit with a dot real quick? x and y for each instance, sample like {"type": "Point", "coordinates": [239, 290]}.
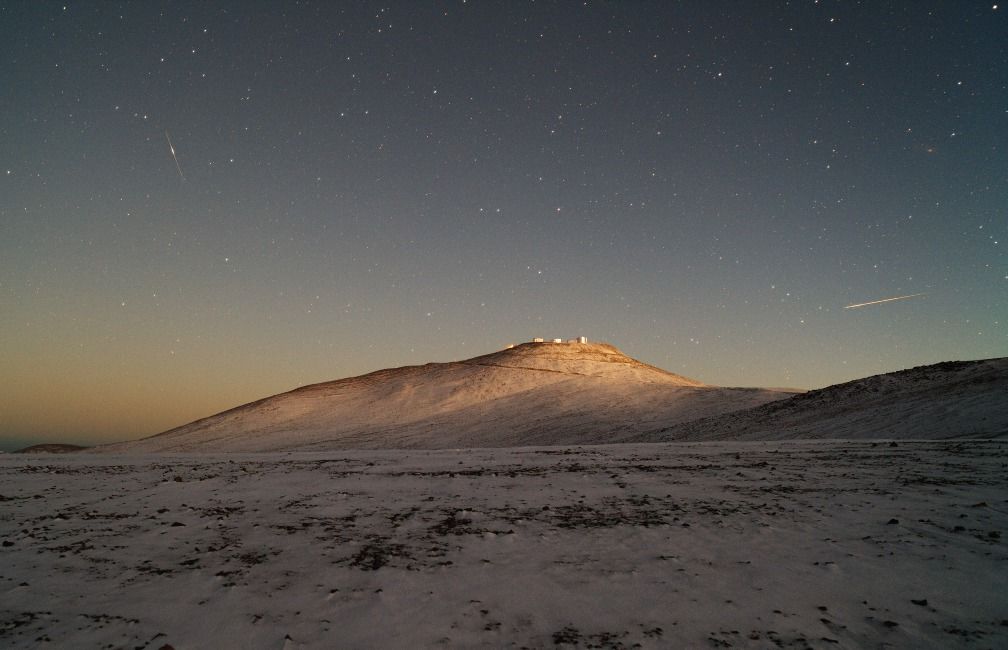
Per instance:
{"type": "Point", "coordinates": [588, 359]}
{"type": "Point", "coordinates": [528, 394]}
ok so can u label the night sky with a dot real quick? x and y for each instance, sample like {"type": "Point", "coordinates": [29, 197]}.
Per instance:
{"type": "Point", "coordinates": [358, 186]}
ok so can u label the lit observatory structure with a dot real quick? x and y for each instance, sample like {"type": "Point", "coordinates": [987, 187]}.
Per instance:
{"type": "Point", "coordinates": [539, 339]}
{"type": "Point", "coordinates": [580, 339]}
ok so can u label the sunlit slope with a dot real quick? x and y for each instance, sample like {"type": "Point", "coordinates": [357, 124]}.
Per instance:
{"type": "Point", "coordinates": [545, 393]}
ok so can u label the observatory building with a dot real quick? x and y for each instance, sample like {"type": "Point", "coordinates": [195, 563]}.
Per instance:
{"type": "Point", "coordinates": [580, 339]}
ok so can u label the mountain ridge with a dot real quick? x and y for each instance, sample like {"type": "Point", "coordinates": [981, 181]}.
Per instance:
{"type": "Point", "coordinates": [576, 393]}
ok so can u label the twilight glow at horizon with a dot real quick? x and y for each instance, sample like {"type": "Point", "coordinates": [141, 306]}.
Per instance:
{"type": "Point", "coordinates": [713, 189]}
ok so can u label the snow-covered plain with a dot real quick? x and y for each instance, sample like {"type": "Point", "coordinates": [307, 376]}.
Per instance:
{"type": "Point", "coordinates": [794, 544]}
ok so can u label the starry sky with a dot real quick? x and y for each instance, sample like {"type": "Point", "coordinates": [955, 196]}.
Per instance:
{"type": "Point", "coordinates": [357, 186]}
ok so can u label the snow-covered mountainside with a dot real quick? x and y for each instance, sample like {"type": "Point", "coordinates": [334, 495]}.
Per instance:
{"type": "Point", "coordinates": [955, 399]}
{"type": "Point", "coordinates": [532, 394]}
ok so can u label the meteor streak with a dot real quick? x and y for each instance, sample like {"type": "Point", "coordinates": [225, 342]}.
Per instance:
{"type": "Point", "coordinates": [878, 302]}
{"type": "Point", "coordinates": [177, 165]}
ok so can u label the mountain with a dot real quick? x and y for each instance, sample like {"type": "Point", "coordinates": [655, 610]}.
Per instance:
{"type": "Point", "coordinates": [530, 394]}
{"type": "Point", "coordinates": [955, 399]}
{"type": "Point", "coordinates": [50, 448]}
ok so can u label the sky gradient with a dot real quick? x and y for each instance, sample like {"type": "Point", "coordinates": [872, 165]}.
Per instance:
{"type": "Point", "coordinates": [361, 186]}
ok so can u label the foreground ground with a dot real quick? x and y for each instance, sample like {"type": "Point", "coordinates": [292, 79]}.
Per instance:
{"type": "Point", "coordinates": [818, 544]}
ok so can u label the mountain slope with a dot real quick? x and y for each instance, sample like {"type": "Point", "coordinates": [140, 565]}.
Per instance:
{"type": "Point", "coordinates": [954, 399]}
{"type": "Point", "coordinates": [542, 393]}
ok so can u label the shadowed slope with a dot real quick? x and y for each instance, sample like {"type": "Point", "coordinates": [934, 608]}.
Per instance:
{"type": "Point", "coordinates": [50, 448]}
{"type": "Point", "coordinates": [945, 400]}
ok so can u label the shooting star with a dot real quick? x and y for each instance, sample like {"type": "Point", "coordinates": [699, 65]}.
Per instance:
{"type": "Point", "coordinates": [177, 165]}
{"type": "Point", "coordinates": [879, 302]}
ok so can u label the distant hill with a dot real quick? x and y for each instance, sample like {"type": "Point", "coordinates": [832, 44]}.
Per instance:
{"type": "Point", "coordinates": [531, 394]}
{"type": "Point", "coordinates": [955, 399]}
{"type": "Point", "coordinates": [50, 448]}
